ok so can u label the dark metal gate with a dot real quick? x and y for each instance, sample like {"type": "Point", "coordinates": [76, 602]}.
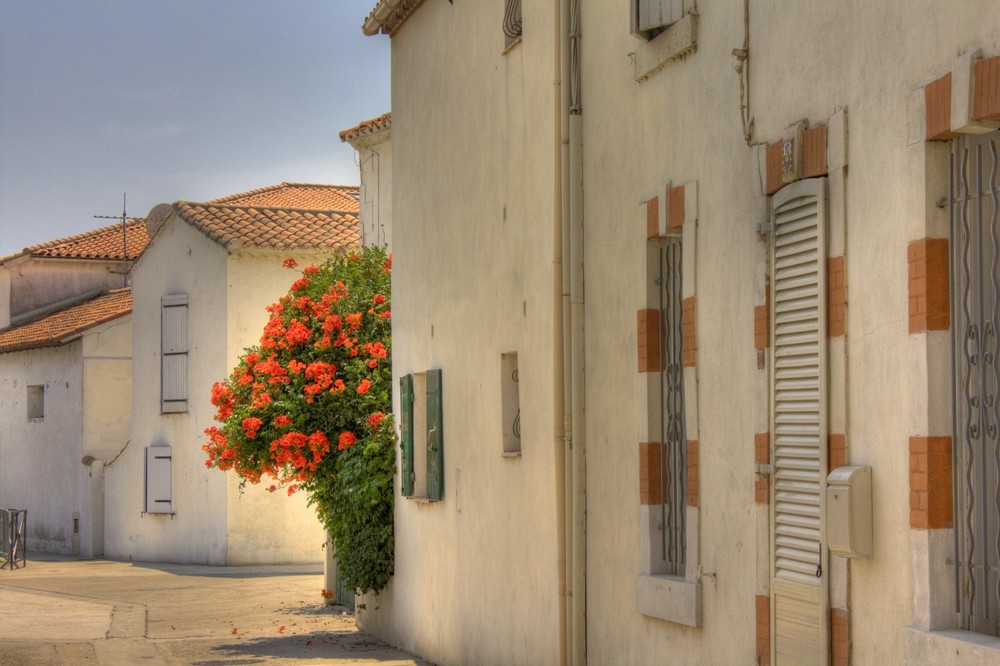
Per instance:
{"type": "Point", "coordinates": [975, 302]}
{"type": "Point", "coordinates": [13, 554]}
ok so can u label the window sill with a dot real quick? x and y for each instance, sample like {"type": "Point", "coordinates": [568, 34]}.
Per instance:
{"type": "Point", "coordinates": [669, 598]}
{"type": "Point", "coordinates": [933, 647]}
{"type": "Point", "coordinates": [422, 500]}
{"type": "Point", "coordinates": [675, 42]}
{"type": "Point", "coordinates": [513, 455]}
{"type": "Point", "coordinates": [510, 47]}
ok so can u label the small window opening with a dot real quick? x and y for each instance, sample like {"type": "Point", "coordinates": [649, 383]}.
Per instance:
{"type": "Point", "coordinates": [511, 403]}
{"type": "Point", "coordinates": [36, 401]}
{"type": "Point", "coordinates": [512, 23]}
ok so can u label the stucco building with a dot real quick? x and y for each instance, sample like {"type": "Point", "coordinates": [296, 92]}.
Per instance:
{"type": "Point", "coordinates": [694, 327]}
{"type": "Point", "coordinates": [200, 291]}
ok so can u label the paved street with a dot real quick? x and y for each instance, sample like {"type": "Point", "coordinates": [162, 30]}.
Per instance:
{"type": "Point", "coordinates": [64, 611]}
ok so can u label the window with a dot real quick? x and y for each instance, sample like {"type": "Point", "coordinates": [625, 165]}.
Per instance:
{"type": "Point", "coordinates": [512, 22]}
{"type": "Point", "coordinates": [157, 495]}
{"type": "Point", "coordinates": [975, 324]}
{"type": "Point", "coordinates": [651, 17]}
{"type": "Point", "coordinates": [174, 353]}
{"type": "Point", "coordinates": [36, 401]}
{"type": "Point", "coordinates": [510, 404]}
{"type": "Point", "coordinates": [422, 438]}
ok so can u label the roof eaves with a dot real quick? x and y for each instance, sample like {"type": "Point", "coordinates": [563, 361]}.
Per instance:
{"type": "Point", "coordinates": [388, 15]}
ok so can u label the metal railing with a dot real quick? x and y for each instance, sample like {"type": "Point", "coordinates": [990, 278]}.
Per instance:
{"type": "Point", "coordinates": [13, 553]}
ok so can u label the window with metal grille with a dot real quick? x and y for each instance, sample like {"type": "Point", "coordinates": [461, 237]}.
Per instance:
{"type": "Point", "coordinates": [512, 22]}
{"type": "Point", "coordinates": [510, 400]}
{"type": "Point", "coordinates": [174, 353]}
{"type": "Point", "coordinates": [673, 439]}
{"type": "Point", "coordinates": [975, 319]}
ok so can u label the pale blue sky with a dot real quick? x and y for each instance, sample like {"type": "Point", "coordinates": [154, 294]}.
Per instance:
{"type": "Point", "coordinates": [170, 100]}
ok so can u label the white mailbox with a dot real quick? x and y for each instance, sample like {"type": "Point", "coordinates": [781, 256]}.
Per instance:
{"type": "Point", "coordinates": [849, 511]}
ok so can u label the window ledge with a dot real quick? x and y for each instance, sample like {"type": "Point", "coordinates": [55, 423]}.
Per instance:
{"type": "Point", "coordinates": [423, 500]}
{"type": "Point", "coordinates": [510, 47]}
{"type": "Point", "coordinates": [675, 42]}
{"type": "Point", "coordinates": [669, 598]}
{"type": "Point", "coordinates": [514, 455]}
{"type": "Point", "coordinates": [934, 647]}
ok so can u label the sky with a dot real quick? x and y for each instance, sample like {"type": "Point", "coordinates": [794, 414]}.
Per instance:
{"type": "Point", "coordinates": [169, 100]}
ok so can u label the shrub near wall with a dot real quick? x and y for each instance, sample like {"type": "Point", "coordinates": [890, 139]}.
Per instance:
{"type": "Point", "coordinates": [308, 409]}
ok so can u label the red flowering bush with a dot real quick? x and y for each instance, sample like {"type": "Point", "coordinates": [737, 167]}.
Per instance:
{"type": "Point", "coordinates": [309, 408]}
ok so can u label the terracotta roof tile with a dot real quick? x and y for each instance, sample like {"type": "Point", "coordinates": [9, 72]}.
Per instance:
{"type": "Point", "coordinates": [104, 244]}
{"type": "Point", "coordinates": [61, 326]}
{"type": "Point", "coordinates": [367, 127]}
{"type": "Point", "coordinates": [306, 196]}
{"type": "Point", "coordinates": [278, 228]}
{"type": "Point", "coordinates": [388, 15]}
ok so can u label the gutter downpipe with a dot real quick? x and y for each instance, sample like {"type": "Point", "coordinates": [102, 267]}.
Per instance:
{"type": "Point", "coordinates": [573, 322]}
{"type": "Point", "coordinates": [560, 383]}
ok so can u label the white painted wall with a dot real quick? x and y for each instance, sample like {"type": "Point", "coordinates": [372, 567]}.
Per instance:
{"type": "Point", "coordinates": [474, 156]}
{"type": "Point", "coordinates": [40, 468]}
{"type": "Point", "coordinates": [39, 282]}
{"type": "Point", "coordinates": [375, 156]}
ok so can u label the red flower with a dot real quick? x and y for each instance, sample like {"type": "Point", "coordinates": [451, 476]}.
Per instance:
{"type": "Point", "coordinates": [282, 420]}
{"type": "Point", "coordinates": [290, 263]}
{"type": "Point", "coordinates": [346, 441]}
{"type": "Point", "coordinates": [375, 419]}
{"type": "Point", "coordinates": [363, 386]}
{"type": "Point", "coordinates": [379, 299]}
{"type": "Point", "coordinates": [310, 270]}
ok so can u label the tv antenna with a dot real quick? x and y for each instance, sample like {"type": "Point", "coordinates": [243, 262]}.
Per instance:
{"type": "Point", "coordinates": [125, 219]}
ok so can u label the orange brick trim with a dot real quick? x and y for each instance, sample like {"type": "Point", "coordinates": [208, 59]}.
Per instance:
{"type": "Point", "coordinates": [763, 608]}
{"type": "Point", "coordinates": [761, 327]}
{"type": "Point", "coordinates": [762, 448]}
{"type": "Point", "coordinates": [928, 285]}
{"type": "Point", "coordinates": [836, 297]}
{"type": "Point", "coordinates": [814, 152]}
{"type": "Point", "coordinates": [930, 482]}
{"type": "Point", "coordinates": [653, 218]}
{"type": "Point", "coordinates": [986, 92]}
{"type": "Point", "coordinates": [689, 342]}
{"type": "Point", "coordinates": [648, 340]}
{"type": "Point", "coordinates": [675, 208]}
{"type": "Point", "coordinates": [761, 489]}
{"type": "Point", "coordinates": [772, 161]}
{"type": "Point", "coordinates": [840, 644]}
{"type": "Point", "coordinates": [692, 478]}
{"type": "Point", "coordinates": [937, 103]}
{"type": "Point", "coordinates": [650, 488]}
{"type": "Point", "coordinates": [836, 451]}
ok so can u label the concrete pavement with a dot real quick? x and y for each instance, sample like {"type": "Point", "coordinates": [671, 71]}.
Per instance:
{"type": "Point", "coordinates": [95, 612]}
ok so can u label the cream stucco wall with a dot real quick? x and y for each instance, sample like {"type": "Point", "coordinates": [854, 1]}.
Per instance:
{"type": "Point", "coordinates": [807, 60]}
{"type": "Point", "coordinates": [214, 521]}
{"type": "Point", "coordinates": [474, 159]}
{"type": "Point", "coordinates": [473, 188]}
{"type": "Point", "coordinates": [376, 190]}
{"type": "Point", "coordinates": [40, 282]}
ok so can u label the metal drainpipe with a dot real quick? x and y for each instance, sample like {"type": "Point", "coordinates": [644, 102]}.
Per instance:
{"type": "Point", "coordinates": [560, 379]}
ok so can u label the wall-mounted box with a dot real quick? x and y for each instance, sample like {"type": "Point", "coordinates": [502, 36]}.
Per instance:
{"type": "Point", "coordinates": [849, 511]}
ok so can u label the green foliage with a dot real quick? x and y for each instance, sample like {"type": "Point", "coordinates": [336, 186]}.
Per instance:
{"type": "Point", "coordinates": [310, 406]}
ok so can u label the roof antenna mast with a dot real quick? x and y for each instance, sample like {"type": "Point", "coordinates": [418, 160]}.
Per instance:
{"type": "Point", "coordinates": [124, 218]}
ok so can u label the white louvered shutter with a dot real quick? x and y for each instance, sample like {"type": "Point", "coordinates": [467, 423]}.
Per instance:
{"type": "Point", "coordinates": [799, 590]}
{"type": "Point", "coordinates": [174, 353]}
{"type": "Point", "coordinates": [652, 14]}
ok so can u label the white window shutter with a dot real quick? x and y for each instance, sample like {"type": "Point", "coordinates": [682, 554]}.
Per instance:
{"type": "Point", "coordinates": [799, 423]}
{"type": "Point", "coordinates": [158, 460]}
{"type": "Point", "coordinates": [653, 14]}
{"type": "Point", "coordinates": [174, 353]}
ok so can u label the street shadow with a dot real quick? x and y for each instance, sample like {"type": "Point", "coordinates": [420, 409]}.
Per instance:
{"type": "Point", "coordinates": [320, 646]}
{"type": "Point", "coordinates": [249, 571]}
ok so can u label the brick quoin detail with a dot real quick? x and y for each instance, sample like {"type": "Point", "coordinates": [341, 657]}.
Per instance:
{"type": "Point", "coordinates": [648, 340]}
{"type": "Point", "coordinates": [653, 218]}
{"type": "Point", "coordinates": [930, 482]}
{"type": "Point", "coordinates": [836, 451]}
{"type": "Point", "coordinates": [761, 490]}
{"type": "Point", "coordinates": [814, 152]}
{"type": "Point", "coordinates": [937, 104]}
{"type": "Point", "coordinates": [762, 322]}
{"type": "Point", "coordinates": [836, 297]}
{"type": "Point", "coordinates": [772, 161]}
{"type": "Point", "coordinates": [763, 608]}
{"type": "Point", "coordinates": [692, 478]}
{"type": "Point", "coordinates": [928, 285]}
{"type": "Point", "coordinates": [840, 643]}
{"type": "Point", "coordinates": [986, 96]}
{"type": "Point", "coordinates": [689, 345]}
{"type": "Point", "coordinates": [649, 473]}
{"type": "Point", "coordinates": [675, 208]}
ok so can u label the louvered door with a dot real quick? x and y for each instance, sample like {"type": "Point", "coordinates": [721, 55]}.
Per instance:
{"type": "Point", "coordinates": [799, 591]}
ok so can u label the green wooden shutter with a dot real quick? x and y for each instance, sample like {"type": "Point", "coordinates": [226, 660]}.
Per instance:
{"type": "Point", "coordinates": [435, 439]}
{"type": "Point", "coordinates": [406, 441]}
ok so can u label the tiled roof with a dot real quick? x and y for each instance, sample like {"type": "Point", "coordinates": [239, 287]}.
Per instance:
{"type": "Point", "coordinates": [367, 127]}
{"type": "Point", "coordinates": [306, 196]}
{"type": "Point", "coordinates": [278, 228]}
{"type": "Point", "coordinates": [63, 325]}
{"type": "Point", "coordinates": [388, 15]}
{"type": "Point", "coordinates": [104, 244]}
